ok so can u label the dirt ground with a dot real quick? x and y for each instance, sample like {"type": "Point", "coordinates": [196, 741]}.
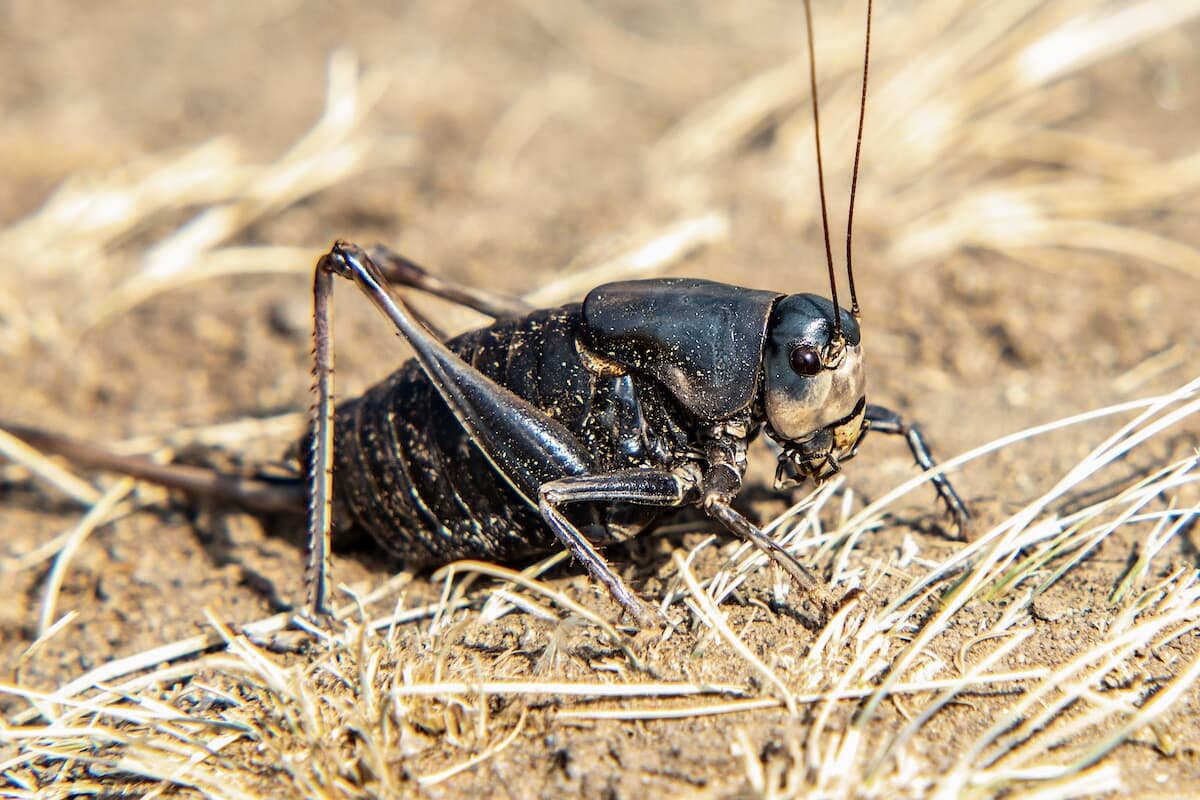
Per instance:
{"type": "Point", "coordinates": [1024, 251]}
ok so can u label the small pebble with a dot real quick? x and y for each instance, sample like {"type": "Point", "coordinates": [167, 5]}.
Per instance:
{"type": "Point", "coordinates": [290, 317]}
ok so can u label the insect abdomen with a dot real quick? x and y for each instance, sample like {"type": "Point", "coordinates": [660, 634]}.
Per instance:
{"type": "Point", "coordinates": [407, 472]}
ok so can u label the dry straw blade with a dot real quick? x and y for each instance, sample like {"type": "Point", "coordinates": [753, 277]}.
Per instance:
{"type": "Point", "coordinates": [863, 655]}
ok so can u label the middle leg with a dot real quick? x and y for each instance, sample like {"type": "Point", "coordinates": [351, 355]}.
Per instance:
{"type": "Point", "coordinates": [884, 420]}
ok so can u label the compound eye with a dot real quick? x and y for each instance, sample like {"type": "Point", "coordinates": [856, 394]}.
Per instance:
{"type": "Point", "coordinates": [805, 360]}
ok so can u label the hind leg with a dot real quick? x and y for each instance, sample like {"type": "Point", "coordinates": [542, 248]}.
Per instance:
{"type": "Point", "coordinates": [401, 271]}
{"type": "Point", "coordinates": [527, 448]}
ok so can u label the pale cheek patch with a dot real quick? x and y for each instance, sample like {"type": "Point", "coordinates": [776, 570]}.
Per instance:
{"type": "Point", "coordinates": [795, 409]}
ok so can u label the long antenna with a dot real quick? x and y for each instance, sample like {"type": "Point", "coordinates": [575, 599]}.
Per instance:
{"type": "Point", "coordinates": [862, 114]}
{"type": "Point", "coordinates": [812, 77]}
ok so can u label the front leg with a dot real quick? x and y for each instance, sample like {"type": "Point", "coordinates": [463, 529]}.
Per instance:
{"type": "Point", "coordinates": [885, 420]}
{"type": "Point", "coordinates": [722, 482]}
{"type": "Point", "coordinates": [744, 529]}
{"type": "Point", "coordinates": [664, 489]}
{"type": "Point", "coordinates": [646, 487]}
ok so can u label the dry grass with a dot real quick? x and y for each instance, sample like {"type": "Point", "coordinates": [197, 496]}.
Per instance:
{"type": "Point", "coordinates": [376, 688]}
{"type": "Point", "coordinates": [394, 698]}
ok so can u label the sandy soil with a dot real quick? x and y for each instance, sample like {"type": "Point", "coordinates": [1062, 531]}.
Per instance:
{"type": "Point", "coordinates": [511, 143]}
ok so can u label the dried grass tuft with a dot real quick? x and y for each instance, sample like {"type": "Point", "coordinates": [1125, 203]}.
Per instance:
{"type": "Point", "coordinates": [381, 702]}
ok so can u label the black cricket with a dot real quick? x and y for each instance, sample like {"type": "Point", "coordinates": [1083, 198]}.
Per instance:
{"type": "Point", "coordinates": [579, 425]}
{"type": "Point", "coordinates": [575, 426]}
